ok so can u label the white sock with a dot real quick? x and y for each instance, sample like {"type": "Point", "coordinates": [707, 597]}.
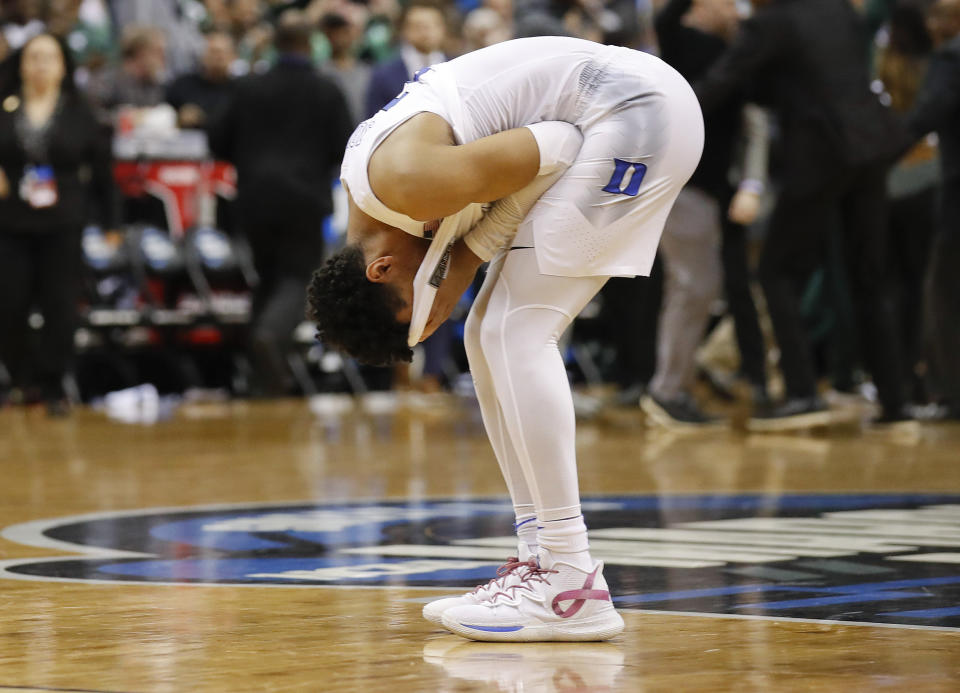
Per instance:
{"type": "Point", "coordinates": [526, 527]}
{"type": "Point", "coordinates": [566, 540]}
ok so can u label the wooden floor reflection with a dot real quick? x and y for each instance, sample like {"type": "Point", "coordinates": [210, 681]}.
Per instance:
{"type": "Point", "coordinates": [141, 637]}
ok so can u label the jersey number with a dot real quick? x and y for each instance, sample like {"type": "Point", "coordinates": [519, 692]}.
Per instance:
{"type": "Point", "coordinates": [620, 170]}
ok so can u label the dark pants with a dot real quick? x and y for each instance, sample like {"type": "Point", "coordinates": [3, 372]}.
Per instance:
{"type": "Point", "coordinates": [943, 305]}
{"type": "Point", "coordinates": [912, 227]}
{"type": "Point", "coordinates": [628, 322]}
{"type": "Point", "coordinates": [39, 270]}
{"type": "Point", "coordinates": [746, 322]}
{"type": "Point", "coordinates": [852, 204]}
{"type": "Point", "coordinates": [284, 264]}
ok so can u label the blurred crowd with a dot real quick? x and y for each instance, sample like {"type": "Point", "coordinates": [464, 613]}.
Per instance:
{"type": "Point", "coordinates": [811, 257]}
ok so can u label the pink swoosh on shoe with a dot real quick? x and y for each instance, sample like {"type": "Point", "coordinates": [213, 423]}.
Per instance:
{"type": "Point", "coordinates": [579, 596]}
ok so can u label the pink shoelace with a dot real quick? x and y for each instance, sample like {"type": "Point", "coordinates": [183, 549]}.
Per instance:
{"type": "Point", "coordinates": [513, 563]}
{"type": "Point", "coordinates": [534, 574]}
{"type": "Point", "coordinates": [578, 596]}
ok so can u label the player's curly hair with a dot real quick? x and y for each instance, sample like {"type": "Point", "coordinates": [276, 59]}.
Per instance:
{"type": "Point", "coordinates": [353, 314]}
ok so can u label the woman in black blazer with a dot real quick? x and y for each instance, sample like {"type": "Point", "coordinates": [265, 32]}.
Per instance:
{"type": "Point", "coordinates": [54, 178]}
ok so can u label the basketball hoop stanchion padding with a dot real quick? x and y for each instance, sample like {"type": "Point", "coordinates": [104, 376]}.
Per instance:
{"type": "Point", "coordinates": [432, 272]}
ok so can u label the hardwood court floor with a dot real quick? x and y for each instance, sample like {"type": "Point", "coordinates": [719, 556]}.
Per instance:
{"type": "Point", "coordinates": [135, 636]}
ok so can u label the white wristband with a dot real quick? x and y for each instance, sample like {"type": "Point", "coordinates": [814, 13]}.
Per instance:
{"type": "Point", "coordinates": [559, 144]}
{"type": "Point", "coordinates": [499, 225]}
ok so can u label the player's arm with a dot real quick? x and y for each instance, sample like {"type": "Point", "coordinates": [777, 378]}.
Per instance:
{"type": "Point", "coordinates": [421, 173]}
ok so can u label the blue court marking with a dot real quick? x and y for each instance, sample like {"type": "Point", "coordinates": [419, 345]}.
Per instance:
{"type": "Point", "coordinates": [696, 594]}
{"type": "Point", "coordinates": [232, 569]}
{"type": "Point", "coordinates": [926, 613]}
{"type": "Point", "coordinates": [889, 585]}
{"type": "Point", "coordinates": [494, 629]}
{"type": "Point", "coordinates": [828, 601]}
{"type": "Point", "coordinates": [840, 594]}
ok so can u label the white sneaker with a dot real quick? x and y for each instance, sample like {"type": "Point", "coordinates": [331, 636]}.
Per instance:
{"type": "Point", "coordinates": [510, 573]}
{"type": "Point", "coordinates": [555, 601]}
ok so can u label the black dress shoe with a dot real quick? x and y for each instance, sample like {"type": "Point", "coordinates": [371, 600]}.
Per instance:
{"type": "Point", "coordinates": [679, 412]}
{"type": "Point", "coordinates": [793, 414]}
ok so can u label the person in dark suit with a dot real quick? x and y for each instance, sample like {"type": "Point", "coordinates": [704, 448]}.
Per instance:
{"type": "Point", "coordinates": [54, 161]}
{"type": "Point", "coordinates": [285, 131]}
{"type": "Point", "coordinates": [807, 60]}
{"type": "Point", "coordinates": [423, 30]}
{"type": "Point", "coordinates": [199, 95]}
{"type": "Point", "coordinates": [938, 109]}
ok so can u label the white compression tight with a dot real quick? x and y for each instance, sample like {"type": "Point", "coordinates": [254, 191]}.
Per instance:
{"type": "Point", "coordinates": [525, 400]}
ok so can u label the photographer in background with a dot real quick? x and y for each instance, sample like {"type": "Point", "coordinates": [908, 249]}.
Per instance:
{"type": "Point", "coordinates": [52, 155]}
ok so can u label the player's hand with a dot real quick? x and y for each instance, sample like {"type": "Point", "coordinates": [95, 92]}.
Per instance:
{"type": "Point", "coordinates": [744, 208]}
{"type": "Point", "coordinates": [4, 185]}
{"type": "Point", "coordinates": [463, 268]}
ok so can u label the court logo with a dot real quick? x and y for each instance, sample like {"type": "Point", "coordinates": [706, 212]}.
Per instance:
{"type": "Point", "coordinates": [891, 559]}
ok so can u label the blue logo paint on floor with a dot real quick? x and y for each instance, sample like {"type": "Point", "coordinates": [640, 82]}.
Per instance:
{"type": "Point", "coordinates": [879, 558]}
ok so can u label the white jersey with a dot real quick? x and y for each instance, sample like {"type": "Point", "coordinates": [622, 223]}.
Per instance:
{"type": "Point", "coordinates": [526, 81]}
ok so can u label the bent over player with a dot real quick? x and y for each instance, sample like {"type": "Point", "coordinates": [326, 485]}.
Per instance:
{"type": "Point", "coordinates": [557, 160]}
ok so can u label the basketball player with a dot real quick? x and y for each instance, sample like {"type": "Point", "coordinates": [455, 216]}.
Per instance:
{"type": "Point", "coordinates": [557, 160]}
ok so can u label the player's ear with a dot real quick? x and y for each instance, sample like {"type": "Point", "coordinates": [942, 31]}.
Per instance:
{"type": "Point", "coordinates": [378, 271]}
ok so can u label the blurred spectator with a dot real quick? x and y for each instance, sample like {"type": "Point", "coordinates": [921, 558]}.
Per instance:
{"type": "Point", "coordinates": [61, 16]}
{"type": "Point", "coordinates": [938, 109]}
{"type": "Point", "coordinates": [350, 74]}
{"type": "Point", "coordinates": [484, 27]}
{"type": "Point", "coordinates": [423, 31]}
{"type": "Point", "coordinates": [541, 18]}
{"type": "Point", "coordinates": [218, 15]}
{"type": "Point", "coordinates": [85, 26]}
{"type": "Point", "coordinates": [693, 34]}
{"type": "Point", "coordinates": [605, 21]}
{"type": "Point", "coordinates": [912, 185]}
{"type": "Point", "coordinates": [504, 8]}
{"type": "Point", "coordinates": [251, 33]}
{"type": "Point", "coordinates": [21, 20]}
{"type": "Point", "coordinates": [138, 80]}
{"type": "Point", "coordinates": [52, 156]}
{"type": "Point", "coordinates": [177, 20]}
{"type": "Point", "coordinates": [199, 95]}
{"type": "Point", "coordinates": [587, 19]}
{"type": "Point", "coordinates": [285, 131]}
{"type": "Point", "coordinates": [808, 61]}
{"type": "Point", "coordinates": [378, 44]}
